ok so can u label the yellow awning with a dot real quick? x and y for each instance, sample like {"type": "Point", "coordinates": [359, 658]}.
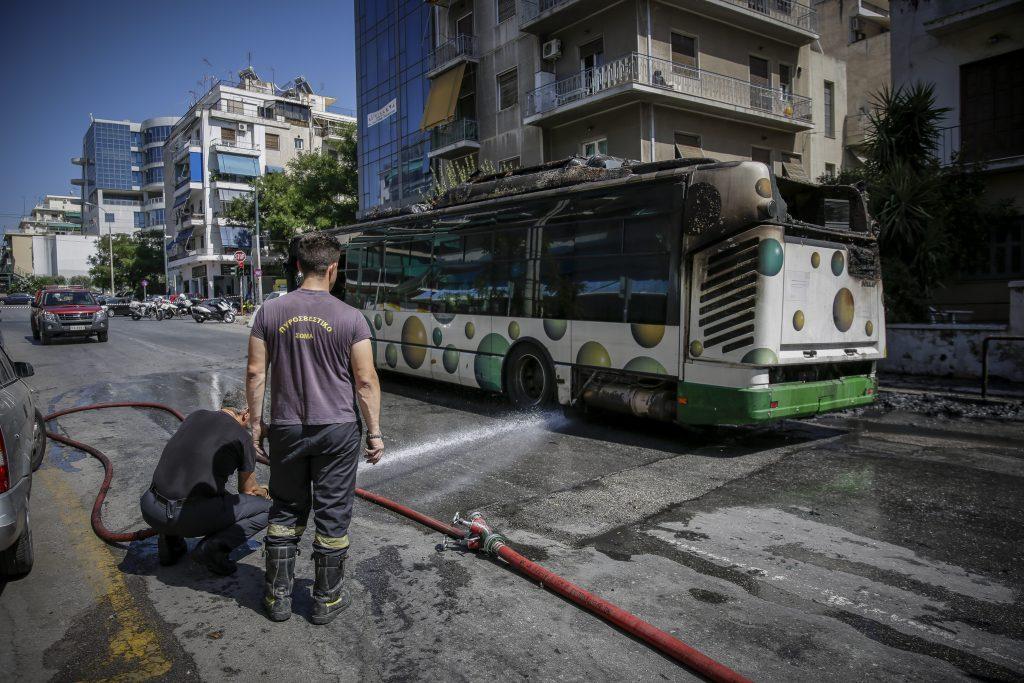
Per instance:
{"type": "Point", "coordinates": [443, 96]}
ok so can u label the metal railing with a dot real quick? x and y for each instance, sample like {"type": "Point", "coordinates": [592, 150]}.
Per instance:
{"type": "Point", "coordinates": [671, 77]}
{"type": "Point", "coordinates": [788, 12]}
{"type": "Point", "coordinates": [242, 108]}
{"type": "Point", "coordinates": [997, 139]}
{"type": "Point", "coordinates": [457, 131]}
{"type": "Point", "coordinates": [237, 144]}
{"type": "Point", "coordinates": [461, 45]}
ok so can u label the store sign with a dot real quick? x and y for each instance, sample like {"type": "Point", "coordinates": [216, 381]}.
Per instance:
{"type": "Point", "coordinates": [198, 272]}
{"type": "Point", "coordinates": [375, 117]}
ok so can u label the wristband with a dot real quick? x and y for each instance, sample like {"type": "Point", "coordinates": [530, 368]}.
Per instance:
{"type": "Point", "coordinates": [374, 436]}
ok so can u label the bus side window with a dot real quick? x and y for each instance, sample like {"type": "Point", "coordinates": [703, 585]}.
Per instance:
{"type": "Point", "coordinates": [354, 255]}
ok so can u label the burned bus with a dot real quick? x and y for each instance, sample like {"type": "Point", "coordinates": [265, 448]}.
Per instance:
{"type": "Point", "coordinates": [690, 290]}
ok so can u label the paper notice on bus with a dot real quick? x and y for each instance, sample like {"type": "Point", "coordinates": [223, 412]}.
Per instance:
{"type": "Point", "coordinates": [798, 284]}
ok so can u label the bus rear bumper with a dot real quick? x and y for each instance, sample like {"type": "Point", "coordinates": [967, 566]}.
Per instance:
{"type": "Point", "coordinates": [704, 404]}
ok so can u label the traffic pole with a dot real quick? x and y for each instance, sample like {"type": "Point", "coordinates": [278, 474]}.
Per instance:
{"type": "Point", "coordinates": [258, 281]}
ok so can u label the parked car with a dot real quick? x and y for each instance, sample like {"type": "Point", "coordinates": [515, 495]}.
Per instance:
{"type": "Point", "coordinates": [17, 299]}
{"type": "Point", "coordinates": [67, 312]}
{"type": "Point", "coordinates": [266, 297]}
{"type": "Point", "coordinates": [22, 446]}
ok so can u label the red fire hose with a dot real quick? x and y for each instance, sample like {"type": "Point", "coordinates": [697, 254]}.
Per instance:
{"type": "Point", "coordinates": [478, 535]}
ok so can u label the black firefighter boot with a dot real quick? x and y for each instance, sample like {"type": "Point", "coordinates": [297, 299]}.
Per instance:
{"type": "Point", "coordinates": [170, 549]}
{"type": "Point", "coordinates": [330, 596]}
{"type": "Point", "coordinates": [280, 576]}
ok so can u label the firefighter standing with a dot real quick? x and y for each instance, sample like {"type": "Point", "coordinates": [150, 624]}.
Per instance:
{"type": "Point", "coordinates": [321, 360]}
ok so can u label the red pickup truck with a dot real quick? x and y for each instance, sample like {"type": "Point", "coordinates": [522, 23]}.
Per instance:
{"type": "Point", "coordinates": [67, 312]}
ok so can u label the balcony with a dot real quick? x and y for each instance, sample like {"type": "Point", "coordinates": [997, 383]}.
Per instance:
{"type": "Point", "coordinates": [193, 220]}
{"type": "Point", "coordinates": [869, 11]}
{"type": "Point", "coordinates": [455, 139]}
{"type": "Point", "coordinates": [639, 78]}
{"type": "Point", "coordinates": [461, 48]}
{"type": "Point", "coordinates": [183, 147]}
{"type": "Point", "coordinates": [237, 146]}
{"type": "Point", "coordinates": [784, 20]}
{"type": "Point", "coordinates": [996, 144]}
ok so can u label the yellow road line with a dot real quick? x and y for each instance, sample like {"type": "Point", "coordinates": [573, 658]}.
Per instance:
{"type": "Point", "coordinates": [135, 647]}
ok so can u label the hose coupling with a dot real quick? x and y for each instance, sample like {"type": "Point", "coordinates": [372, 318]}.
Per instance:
{"type": "Point", "coordinates": [481, 536]}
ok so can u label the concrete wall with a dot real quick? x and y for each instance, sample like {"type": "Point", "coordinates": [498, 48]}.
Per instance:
{"type": "Point", "coordinates": [951, 351]}
{"type": "Point", "coordinates": [816, 148]}
{"type": "Point", "coordinates": [72, 254]}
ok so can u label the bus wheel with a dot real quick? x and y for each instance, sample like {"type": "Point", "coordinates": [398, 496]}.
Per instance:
{"type": "Point", "coordinates": [529, 378]}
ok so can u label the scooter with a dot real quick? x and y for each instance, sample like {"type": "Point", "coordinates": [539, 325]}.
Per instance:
{"type": "Point", "coordinates": [184, 305]}
{"type": "Point", "coordinates": [213, 309]}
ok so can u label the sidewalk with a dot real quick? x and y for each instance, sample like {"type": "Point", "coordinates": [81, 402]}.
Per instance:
{"type": "Point", "coordinates": [998, 388]}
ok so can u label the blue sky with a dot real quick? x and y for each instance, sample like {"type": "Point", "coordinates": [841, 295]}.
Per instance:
{"type": "Point", "coordinates": [63, 61]}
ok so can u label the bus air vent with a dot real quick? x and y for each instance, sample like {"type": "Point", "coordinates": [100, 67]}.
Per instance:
{"type": "Point", "coordinates": [727, 297]}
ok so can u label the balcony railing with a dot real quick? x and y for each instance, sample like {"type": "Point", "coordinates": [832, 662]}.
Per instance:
{"type": "Point", "coordinates": [237, 144]}
{"type": "Point", "coordinates": [242, 109]}
{"type": "Point", "coordinates": [459, 46]}
{"type": "Point", "coordinates": [996, 141]}
{"type": "Point", "coordinates": [640, 69]}
{"type": "Point", "coordinates": [460, 130]}
{"type": "Point", "coordinates": [786, 11]}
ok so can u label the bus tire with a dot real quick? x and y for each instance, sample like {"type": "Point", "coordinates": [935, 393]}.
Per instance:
{"type": "Point", "coordinates": [529, 378]}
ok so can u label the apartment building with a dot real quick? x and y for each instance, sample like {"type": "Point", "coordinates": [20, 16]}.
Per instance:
{"type": "Point", "coordinates": [973, 52]}
{"type": "Point", "coordinates": [509, 83]}
{"type": "Point", "coordinates": [56, 213]}
{"type": "Point", "coordinates": [122, 175]}
{"type": "Point", "coordinates": [857, 32]}
{"type": "Point", "coordinates": [234, 133]}
{"type": "Point", "coordinates": [49, 241]}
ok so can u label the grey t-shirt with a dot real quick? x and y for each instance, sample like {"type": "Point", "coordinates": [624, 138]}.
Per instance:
{"type": "Point", "coordinates": [309, 336]}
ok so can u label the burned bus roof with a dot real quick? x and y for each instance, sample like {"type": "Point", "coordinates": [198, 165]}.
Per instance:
{"type": "Point", "coordinates": [575, 174]}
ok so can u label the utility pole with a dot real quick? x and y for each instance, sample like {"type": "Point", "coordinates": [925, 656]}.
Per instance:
{"type": "Point", "coordinates": [257, 280]}
{"type": "Point", "coordinates": [110, 244]}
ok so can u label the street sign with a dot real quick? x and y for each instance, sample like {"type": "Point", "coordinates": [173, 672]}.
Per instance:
{"type": "Point", "coordinates": [145, 282]}
{"type": "Point", "coordinates": [240, 256]}
{"type": "Point", "coordinates": [258, 272]}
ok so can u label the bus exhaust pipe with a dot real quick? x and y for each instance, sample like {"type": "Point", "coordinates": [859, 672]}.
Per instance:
{"type": "Point", "coordinates": [657, 404]}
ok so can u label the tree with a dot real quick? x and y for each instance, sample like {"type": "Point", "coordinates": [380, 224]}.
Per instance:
{"type": "Point", "coordinates": [932, 220]}
{"type": "Point", "coordinates": [136, 257]}
{"type": "Point", "coordinates": [318, 190]}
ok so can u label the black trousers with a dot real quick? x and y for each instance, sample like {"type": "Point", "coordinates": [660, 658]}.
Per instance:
{"type": "Point", "coordinates": [313, 467]}
{"type": "Point", "coordinates": [228, 519]}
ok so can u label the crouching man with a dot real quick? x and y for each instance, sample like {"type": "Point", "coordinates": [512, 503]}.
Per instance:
{"type": "Point", "coordinates": [188, 496]}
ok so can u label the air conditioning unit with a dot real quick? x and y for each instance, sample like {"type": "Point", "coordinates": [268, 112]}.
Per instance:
{"type": "Point", "coordinates": [552, 50]}
{"type": "Point", "coordinates": [243, 127]}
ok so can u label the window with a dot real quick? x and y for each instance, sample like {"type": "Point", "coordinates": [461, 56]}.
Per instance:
{"type": "Point", "coordinates": [273, 140]}
{"type": "Point", "coordinates": [6, 369]}
{"type": "Point", "coordinates": [688, 146]}
{"type": "Point", "coordinates": [298, 143]}
{"type": "Point", "coordinates": [684, 55]}
{"type": "Point", "coordinates": [108, 217]}
{"type": "Point", "coordinates": [1005, 250]}
{"type": "Point", "coordinates": [595, 147]}
{"type": "Point", "coordinates": [140, 219]}
{"type": "Point", "coordinates": [136, 178]}
{"type": "Point", "coordinates": [508, 89]}
{"type": "Point", "coordinates": [510, 164]}
{"type": "Point", "coordinates": [830, 170]}
{"type": "Point", "coordinates": [762, 155]}
{"type": "Point", "coordinates": [506, 9]}
{"type": "Point", "coordinates": [464, 25]}
{"type": "Point", "coordinates": [760, 84]}
{"type": "Point", "coordinates": [785, 79]}
{"type": "Point", "coordinates": [829, 100]}
{"type": "Point", "coordinates": [227, 134]}
{"type": "Point", "coordinates": [991, 109]}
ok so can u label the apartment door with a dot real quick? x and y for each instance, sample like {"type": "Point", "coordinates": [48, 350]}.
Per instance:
{"type": "Point", "coordinates": [760, 84]}
{"type": "Point", "coordinates": [464, 25]}
{"type": "Point", "coordinates": [591, 57]}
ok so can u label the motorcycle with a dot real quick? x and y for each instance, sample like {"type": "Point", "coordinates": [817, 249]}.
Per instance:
{"type": "Point", "coordinates": [145, 309]}
{"type": "Point", "coordinates": [184, 305]}
{"type": "Point", "coordinates": [213, 309]}
{"type": "Point", "coordinates": [166, 309]}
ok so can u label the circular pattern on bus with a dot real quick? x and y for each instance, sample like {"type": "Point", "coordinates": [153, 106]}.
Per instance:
{"type": "Point", "coordinates": [377, 322]}
{"type": "Point", "coordinates": [815, 260]}
{"type": "Point", "coordinates": [798, 321]}
{"type": "Point", "coordinates": [594, 354]}
{"type": "Point", "coordinates": [513, 330]}
{"type": "Point", "coordinates": [696, 348]}
{"type": "Point", "coordinates": [414, 342]}
{"type": "Point", "coordinates": [391, 355]}
{"type": "Point", "coordinates": [470, 330]}
{"type": "Point", "coordinates": [645, 364]}
{"type": "Point", "coordinates": [869, 328]}
{"type": "Point", "coordinates": [647, 336]}
{"type": "Point", "coordinates": [555, 329]}
{"type": "Point", "coordinates": [444, 318]}
{"type": "Point", "coordinates": [769, 257]}
{"type": "Point", "coordinates": [450, 359]}
{"type": "Point", "coordinates": [487, 364]}
{"type": "Point", "coordinates": [389, 317]}
{"type": "Point", "coordinates": [760, 357]}
{"type": "Point", "coordinates": [842, 309]}
{"type": "Point", "coordinates": [437, 336]}
{"type": "Point", "coordinates": [838, 262]}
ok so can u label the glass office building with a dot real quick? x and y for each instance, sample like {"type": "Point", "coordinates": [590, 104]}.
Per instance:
{"type": "Point", "coordinates": [393, 44]}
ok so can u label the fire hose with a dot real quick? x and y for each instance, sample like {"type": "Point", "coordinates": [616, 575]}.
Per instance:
{"type": "Point", "coordinates": [472, 533]}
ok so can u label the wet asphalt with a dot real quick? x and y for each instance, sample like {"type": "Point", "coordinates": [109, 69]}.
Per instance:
{"type": "Point", "coordinates": [879, 545]}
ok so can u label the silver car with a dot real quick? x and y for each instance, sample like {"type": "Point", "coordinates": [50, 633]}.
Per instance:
{"type": "Point", "coordinates": [22, 445]}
